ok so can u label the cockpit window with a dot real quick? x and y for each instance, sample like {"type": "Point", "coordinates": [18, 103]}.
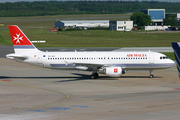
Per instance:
{"type": "Point", "coordinates": [164, 57]}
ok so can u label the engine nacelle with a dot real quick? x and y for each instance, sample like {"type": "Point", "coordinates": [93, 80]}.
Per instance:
{"type": "Point", "coordinates": [113, 71]}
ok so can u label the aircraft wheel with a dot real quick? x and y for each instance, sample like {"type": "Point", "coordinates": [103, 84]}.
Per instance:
{"type": "Point", "coordinates": [151, 76]}
{"type": "Point", "coordinates": [94, 76]}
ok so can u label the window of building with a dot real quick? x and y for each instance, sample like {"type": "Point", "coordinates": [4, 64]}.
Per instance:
{"type": "Point", "coordinates": [120, 27]}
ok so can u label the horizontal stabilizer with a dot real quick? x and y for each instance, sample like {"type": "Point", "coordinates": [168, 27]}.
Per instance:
{"type": "Point", "coordinates": [12, 56]}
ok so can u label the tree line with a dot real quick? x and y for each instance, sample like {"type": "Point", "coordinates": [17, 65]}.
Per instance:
{"type": "Point", "coordinates": [42, 8]}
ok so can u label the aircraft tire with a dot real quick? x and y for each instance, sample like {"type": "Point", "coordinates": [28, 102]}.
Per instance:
{"type": "Point", "coordinates": [151, 76]}
{"type": "Point", "coordinates": [94, 76]}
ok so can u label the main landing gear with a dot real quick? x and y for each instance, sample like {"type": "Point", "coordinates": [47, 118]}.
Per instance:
{"type": "Point", "coordinates": [151, 75]}
{"type": "Point", "coordinates": [94, 75]}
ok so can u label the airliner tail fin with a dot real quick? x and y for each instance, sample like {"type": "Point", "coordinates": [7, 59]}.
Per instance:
{"type": "Point", "coordinates": [20, 41]}
{"type": "Point", "coordinates": [176, 48]}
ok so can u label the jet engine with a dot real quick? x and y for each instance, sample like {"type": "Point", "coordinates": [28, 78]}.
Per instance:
{"type": "Point", "coordinates": [113, 71]}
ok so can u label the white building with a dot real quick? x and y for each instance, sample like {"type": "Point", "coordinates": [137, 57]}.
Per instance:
{"type": "Point", "coordinates": [86, 23]}
{"type": "Point", "coordinates": [156, 27]}
{"type": "Point", "coordinates": [121, 25]}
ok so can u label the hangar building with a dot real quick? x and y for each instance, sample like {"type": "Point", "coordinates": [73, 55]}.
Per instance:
{"type": "Point", "coordinates": [121, 25]}
{"type": "Point", "coordinates": [157, 15]}
{"type": "Point", "coordinates": [82, 24]}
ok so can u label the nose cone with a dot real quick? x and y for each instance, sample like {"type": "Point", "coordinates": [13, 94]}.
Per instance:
{"type": "Point", "coordinates": [171, 62]}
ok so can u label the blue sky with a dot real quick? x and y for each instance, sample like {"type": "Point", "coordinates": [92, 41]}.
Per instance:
{"type": "Point", "coordinates": [3, 1]}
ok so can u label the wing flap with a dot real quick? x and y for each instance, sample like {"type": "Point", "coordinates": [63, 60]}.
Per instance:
{"type": "Point", "coordinates": [93, 66]}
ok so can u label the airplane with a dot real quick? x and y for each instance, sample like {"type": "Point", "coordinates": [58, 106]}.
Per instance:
{"type": "Point", "coordinates": [113, 64]}
{"type": "Point", "coordinates": [176, 49]}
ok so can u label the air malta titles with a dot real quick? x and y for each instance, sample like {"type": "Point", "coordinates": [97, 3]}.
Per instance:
{"type": "Point", "coordinates": [136, 55]}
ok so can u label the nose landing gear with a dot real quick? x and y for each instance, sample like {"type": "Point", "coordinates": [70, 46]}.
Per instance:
{"type": "Point", "coordinates": [151, 74]}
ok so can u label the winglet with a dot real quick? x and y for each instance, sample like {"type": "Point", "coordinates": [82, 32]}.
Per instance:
{"type": "Point", "coordinates": [176, 48]}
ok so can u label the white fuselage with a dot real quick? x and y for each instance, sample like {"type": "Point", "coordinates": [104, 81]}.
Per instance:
{"type": "Point", "coordinates": [125, 60]}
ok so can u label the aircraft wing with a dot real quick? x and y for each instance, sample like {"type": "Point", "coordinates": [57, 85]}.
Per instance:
{"type": "Point", "coordinates": [93, 66]}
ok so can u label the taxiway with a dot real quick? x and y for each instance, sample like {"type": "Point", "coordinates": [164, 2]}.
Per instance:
{"type": "Point", "coordinates": [32, 93]}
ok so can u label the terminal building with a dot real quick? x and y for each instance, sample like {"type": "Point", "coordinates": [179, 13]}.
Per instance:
{"type": "Point", "coordinates": [157, 15]}
{"type": "Point", "coordinates": [82, 24]}
{"type": "Point", "coordinates": [176, 14]}
{"type": "Point", "coordinates": [121, 25]}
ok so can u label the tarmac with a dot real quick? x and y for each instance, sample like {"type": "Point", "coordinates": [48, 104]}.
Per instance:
{"type": "Point", "coordinates": [33, 93]}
